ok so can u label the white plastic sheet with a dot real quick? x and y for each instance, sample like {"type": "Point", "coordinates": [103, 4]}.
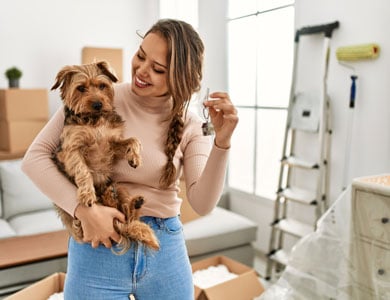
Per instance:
{"type": "Point", "coordinates": [321, 266]}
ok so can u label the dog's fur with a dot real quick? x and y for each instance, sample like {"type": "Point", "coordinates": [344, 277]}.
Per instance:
{"type": "Point", "coordinates": [91, 143]}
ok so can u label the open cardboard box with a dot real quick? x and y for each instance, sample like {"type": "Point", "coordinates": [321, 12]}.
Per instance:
{"type": "Point", "coordinates": [244, 287]}
{"type": "Point", "coordinates": [42, 289]}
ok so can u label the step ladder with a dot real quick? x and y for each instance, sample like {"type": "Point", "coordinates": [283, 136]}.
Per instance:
{"type": "Point", "coordinates": [308, 119]}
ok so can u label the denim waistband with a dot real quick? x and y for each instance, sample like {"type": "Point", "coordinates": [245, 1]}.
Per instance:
{"type": "Point", "coordinates": [156, 222]}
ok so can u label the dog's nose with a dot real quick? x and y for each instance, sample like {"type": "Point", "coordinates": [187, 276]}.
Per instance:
{"type": "Point", "coordinates": [97, 105]}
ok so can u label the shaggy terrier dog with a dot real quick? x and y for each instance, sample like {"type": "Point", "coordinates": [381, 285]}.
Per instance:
{"type": "Point", "coordinates": [91, 143]}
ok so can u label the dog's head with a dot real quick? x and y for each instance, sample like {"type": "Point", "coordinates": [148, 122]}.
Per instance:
{"type": "Point", "coordinates": [86, 88]}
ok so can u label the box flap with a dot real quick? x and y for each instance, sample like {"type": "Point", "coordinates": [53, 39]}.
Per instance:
{"type": "Point", "coordinates": [197, 292]}
{"type": "Point", "coordinates": [205, 263]}
{"type": "Point", "coordinates": [42, 289]}
{"type": "Point", "coordinates": [234, 266]}
{"type": "Point", "coordinates": [246, 286]}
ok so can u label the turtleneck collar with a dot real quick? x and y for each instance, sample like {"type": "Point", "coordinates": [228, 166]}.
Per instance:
{"type": "Point", "coordinates": [154, 105]}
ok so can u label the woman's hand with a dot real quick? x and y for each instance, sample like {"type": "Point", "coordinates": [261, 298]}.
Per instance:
{"type": "Point", "coordinates": [224, 118]}
{"type": "Point", "coordinates": [97, 223]}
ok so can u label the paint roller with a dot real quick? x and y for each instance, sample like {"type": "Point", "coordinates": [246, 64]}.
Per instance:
{"type": "Point", "coordinates": [350, 54]}
{"type": "Point", "coordinates": [354, 53]}
{"type": "Point", "coordinates": [357, 52]}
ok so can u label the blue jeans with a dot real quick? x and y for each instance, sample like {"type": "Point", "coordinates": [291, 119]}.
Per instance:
{"type": "Point", "coordinates": [147, 274]}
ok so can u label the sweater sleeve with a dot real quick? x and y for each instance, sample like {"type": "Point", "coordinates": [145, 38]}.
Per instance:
{"type": "Point", "coordinates": [204, 193]}
{"type": "Point", "coordinates": [204, 169]}
{"type": "Point", "coordinates": [39, 167]}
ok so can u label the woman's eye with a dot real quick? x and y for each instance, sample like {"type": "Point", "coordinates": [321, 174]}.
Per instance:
{"type": "Point", "coordinates": [159, 71]}
{"type": "Point", "coordinates": [102, 86]}
{"type": "Point", "coordinates": [81, 88]}
{"type": "Point", "coordinates": [140, 56]}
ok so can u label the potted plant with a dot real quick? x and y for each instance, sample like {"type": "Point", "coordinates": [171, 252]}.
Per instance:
{"type": "Point", "coordinates": [13, 74]}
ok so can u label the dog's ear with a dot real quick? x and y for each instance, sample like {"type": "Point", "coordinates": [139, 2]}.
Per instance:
{"type": "Point", "coordinates": [105, 68]}
{"type": "Point", "coordinates": [63, 76]}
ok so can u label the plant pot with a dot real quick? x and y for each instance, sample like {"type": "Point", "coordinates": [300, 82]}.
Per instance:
{"type": "Point", "coordinates": [13, 83]}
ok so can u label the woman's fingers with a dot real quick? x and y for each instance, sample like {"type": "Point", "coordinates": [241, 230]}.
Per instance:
{"type": "Point", "coordinates": [223, 116]}
{"type": "Point", "coordinates": [95, 244]}
{"type": "Point", "coordinates": [221, 101]}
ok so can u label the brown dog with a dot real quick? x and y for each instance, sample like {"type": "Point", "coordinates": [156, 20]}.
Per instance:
{"type": "Point", "coordinates": [91, 143]}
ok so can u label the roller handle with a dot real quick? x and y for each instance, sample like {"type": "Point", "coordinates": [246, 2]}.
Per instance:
{"type": "Point", "coordinates": [353, 92]}
{"type": "Point", "coordinates": [327, 29]}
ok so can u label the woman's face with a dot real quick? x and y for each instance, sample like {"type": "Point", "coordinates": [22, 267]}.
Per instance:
{"type": "Point", "coordinates": [150, 67]}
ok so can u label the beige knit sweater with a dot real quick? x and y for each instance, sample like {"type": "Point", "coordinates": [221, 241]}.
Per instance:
{"type": "Point", "coordinates": [204, 170]}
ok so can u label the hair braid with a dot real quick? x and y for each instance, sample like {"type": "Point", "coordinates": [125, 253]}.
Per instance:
{"type": "Point", "coordinates": [175, 133]}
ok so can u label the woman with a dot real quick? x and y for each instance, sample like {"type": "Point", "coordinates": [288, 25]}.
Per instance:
{"type": "Point", "coordinates": [166, 71]}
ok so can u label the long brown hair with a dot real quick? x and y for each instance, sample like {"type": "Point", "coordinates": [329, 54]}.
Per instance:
{"type": "Point", "coordinates": [185, 64]}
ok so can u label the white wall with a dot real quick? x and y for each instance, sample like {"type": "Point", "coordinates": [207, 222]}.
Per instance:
{"type": "Point", "coordinates": [41, 36]}
{"type": "Point", "coordinates": [360, 22]}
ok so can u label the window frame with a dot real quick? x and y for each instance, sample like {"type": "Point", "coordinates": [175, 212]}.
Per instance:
{"type": "Point", "coordinates": [257, 109]}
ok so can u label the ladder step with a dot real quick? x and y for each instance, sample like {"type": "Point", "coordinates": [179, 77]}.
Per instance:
{"type": "Point", "coordinates": [300, 163]}
{"type": "Point", "coordinates": [299, 195]}
{"type": "Point", "coordinates": [280, 256]}
{"type": "Point", "coordinates": [294, 227]}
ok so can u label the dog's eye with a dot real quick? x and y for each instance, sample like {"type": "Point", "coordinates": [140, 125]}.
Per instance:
{"type": "Point", "coordinates": [81, 88]}
{"type": "Point", "coordinates": [102, 86]}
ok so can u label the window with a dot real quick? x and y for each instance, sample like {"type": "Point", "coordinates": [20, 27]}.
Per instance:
{"type": "Point", "coordinates": [260, 59]}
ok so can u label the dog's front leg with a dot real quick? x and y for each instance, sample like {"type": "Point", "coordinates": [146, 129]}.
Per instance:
{"type": "Point", "coordinates": [129, 149]}
{"type": "Point", "coordinates": [83, 178]}
{"type": "Point", "coordinates": [76, 141]}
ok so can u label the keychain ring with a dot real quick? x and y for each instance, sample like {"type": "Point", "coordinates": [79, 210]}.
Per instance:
{"type": "Point", "coordinates": [205, 110]}
{"type": "Point", "coordinates": [206, 113]}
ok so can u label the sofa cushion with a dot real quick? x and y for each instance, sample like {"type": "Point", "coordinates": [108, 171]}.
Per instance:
{"type": "Point", "coordinates": [36, 222]}
{"type": "Point", "coordinates": [20, 195]}
{"type": "Point", "coordinates": [221, 229]}
{"type": "Point", "coordinates": [5, 230]}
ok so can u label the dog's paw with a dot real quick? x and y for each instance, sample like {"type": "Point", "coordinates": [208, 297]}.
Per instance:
{"type": "Point", "coordinates": [134, 160]}
{"type": "Point", "coordinates": [133, 164]}
{"type": "Point", "coordinates": [138, 202]}
{"type": "Point", "coordinates": [133, 152]}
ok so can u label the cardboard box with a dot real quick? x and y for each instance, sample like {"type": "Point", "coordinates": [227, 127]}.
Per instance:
{"type": "Point", "coordinates": [244, 287]}
{"type": "Point", "coordinates": [113, 56]}
{"type": "Point", "coordinates": [187, 214]}
{"type": "Point", "coordinates": [24, 105]}
{"type": "Point", "coordinates": [16, 136]}
{"type": "Point", "coordinates": [7, 155]}
{"type": "Point", "coordinates": [42, 289]}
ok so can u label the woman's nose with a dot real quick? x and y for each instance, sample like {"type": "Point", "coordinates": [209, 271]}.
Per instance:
{"type": "Point", "coordinates": [143, 69]}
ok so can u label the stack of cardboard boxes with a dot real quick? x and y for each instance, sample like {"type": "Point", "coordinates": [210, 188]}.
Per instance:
{"type": "Point", "coordinates": [23, 113]}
